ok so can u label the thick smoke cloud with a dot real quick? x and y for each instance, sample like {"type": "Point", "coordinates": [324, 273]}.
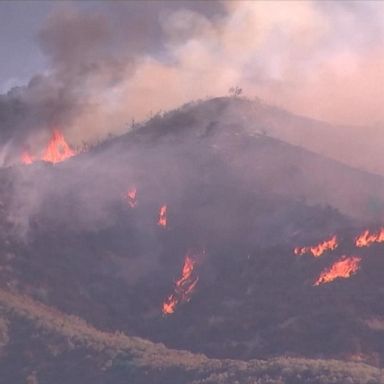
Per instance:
{"type": "Point", "coordinates": [115, 62]}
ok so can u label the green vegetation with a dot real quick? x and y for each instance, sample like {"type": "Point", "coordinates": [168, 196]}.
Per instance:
{"type": "Point", "coordinates": [47, 342]}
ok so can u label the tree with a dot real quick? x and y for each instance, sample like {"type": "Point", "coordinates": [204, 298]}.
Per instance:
{"type": "Point", "coordinates": [235, 91]}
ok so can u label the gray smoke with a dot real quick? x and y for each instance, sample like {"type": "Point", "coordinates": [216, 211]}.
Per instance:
{"type": "Point", "coordinates": [117, 62]}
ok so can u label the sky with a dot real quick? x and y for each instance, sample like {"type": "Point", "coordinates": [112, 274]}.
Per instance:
{"type": "Point", "coordinates": [21, 56]}
{"type": "Point", "coordinates": [91, 67]}
{"type": "Point", "coordinates": [20, 23]}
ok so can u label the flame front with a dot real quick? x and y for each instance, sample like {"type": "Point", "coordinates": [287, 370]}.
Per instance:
{"type": "Point", "coordinates": [184, 286]}
{"type": "Point", "coordinates": [57, 149]}
{"type": "Point", "coordinates": [131, 196]}
{"type": "Point", "coordinates": [319, 249]}
{"type": "Point", "coordinates": [343, 268]}
{"type": "Point", "coordinates": [162, 216]}
{"type": "Point", "coordinates": [366, 238]}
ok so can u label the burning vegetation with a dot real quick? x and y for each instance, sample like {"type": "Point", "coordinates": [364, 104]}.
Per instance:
{"type": "Point", "coordinates": [131, 196]}
{"type": "Point", "coordinates": [184, 286]}
{"type": "Point", "coordinates": [59, 150]}
{"type": "Point", "coordinates": [367, 238]}
{"type": "Point", "coordinates": [345, 267]}
{"type": "Point", "coordinates": [319, 249]}
{"type": "Point", "coordinates": [56, 151]}
{"type": "Point", "coordinates": [162, 221]}
{"type": "Point", "coordinates": [342, 268]}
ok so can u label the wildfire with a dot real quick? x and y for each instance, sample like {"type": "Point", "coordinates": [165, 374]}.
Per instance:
{"type": "Point", "coordinates": [319, 249]}
{"type": "Point", "coordinates": [366, 238]}
{"type": "Point", "coordinates": [26, 158]}
{"type": "Point", "coordinates": [162, 216]}
{"type": "Point", "coordinates": [131, 196]}
{"type": "Point", "coordinates": [343, 268]}
{"type": "Point", "coordinates": [184, 286]}
{"type": "Point", "coordinates": [57, 149]}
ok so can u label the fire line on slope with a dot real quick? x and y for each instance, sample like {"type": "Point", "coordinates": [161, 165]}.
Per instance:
{"type": "Point", "coordinates": [319, 249]}
{"type": "Point", "coordinates": [345, 267]}
{"type": "Point", "coordinates": [56, 151]}
{"type": "Point", "coordinates": [184, 286]}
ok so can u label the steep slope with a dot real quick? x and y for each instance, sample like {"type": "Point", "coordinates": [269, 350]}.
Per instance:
{"type": "Point", "coordinates": [253, 137]}
{"type": "Point", "coordinates": [355, 145]}
{"type": "Point", "coordinates": [241, 201]}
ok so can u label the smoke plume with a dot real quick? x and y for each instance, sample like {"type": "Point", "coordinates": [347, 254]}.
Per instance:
{"type": "Point", "coordinates": [111, 64]}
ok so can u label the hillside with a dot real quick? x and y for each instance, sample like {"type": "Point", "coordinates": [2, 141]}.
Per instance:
{"type": "Point", "coordinates": [60, 348]}
{"type": "Point", "coordinates": [87, 238]}
{"type": "Point", "coordinates": [354, 145]}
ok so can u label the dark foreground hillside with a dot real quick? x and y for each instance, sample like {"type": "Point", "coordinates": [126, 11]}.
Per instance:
{"type": "Point", "coordinates": [41, 345]}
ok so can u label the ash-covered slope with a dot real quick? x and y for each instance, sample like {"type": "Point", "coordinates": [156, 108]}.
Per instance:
{"type": "Point", "coordinates": [241, 200]}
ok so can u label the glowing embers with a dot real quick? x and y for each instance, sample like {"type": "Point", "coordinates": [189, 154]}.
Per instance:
{"type": "Point", "coordinates": [56, 151]}
{"type": "Point", "coordinates": [319, 249]}
{"type": "Point", "coordinates": [162, 221]}
{"type": "Point", "coordinates": [366, 238]}
{"type": "Point", "coordinates": [342, 268]}
{"type": "Point", "coordinates": [131, 197]}
{"type": "Point", "coordinates": [184, 286]}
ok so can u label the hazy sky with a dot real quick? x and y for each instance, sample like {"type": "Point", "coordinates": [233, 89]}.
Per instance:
{"type": "Point", "coordinates": [107, 62]}
{"type": "Point", "coordinates": [21, 21]}
{"type": "Point", "coordinates": [20, 55]}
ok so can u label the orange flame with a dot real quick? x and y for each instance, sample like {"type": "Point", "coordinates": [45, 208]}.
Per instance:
{"type": "Point", "coordinates": [57, 149]}
{"type": "Point", "coordinates": [343, 268]}
{"type": "Point", "coordinates": [319, 249]}
{"type": "Point", "coordinates": [162, 216]}
{"type": "Point", "coordinates": [184, 286]}
{"type": "Point", "coordinates": [131, 196]}
{"type": "Point", "coordinates": [26, 158]}
{"type": "Point", "coordinates": [366, 238]}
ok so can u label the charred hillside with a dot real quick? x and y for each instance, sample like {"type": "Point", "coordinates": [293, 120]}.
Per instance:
{"type": "Point", "coordinates": [84, 236]}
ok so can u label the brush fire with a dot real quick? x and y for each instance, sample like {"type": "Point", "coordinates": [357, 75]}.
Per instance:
{"type": "Point", "coordinates": [56, 151]}
{"type": "Point", "coordinates": [162, 221]}
{"type": "Point", "coordinates": [319, 249]}
{"type": "Point", "coordinates": [184, 286]}
{"type": "Point", "coordinates": [131, 197]}
{"type": "Point", "coordinates": [342, 268]}
{"type": "Point", "coordinates": [367, 238]}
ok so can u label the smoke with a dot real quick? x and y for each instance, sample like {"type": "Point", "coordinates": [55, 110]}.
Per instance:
{"type": "Point", "coordinates": [112, 63]}
{"type": "Point", "coordinates": [319, 60]}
